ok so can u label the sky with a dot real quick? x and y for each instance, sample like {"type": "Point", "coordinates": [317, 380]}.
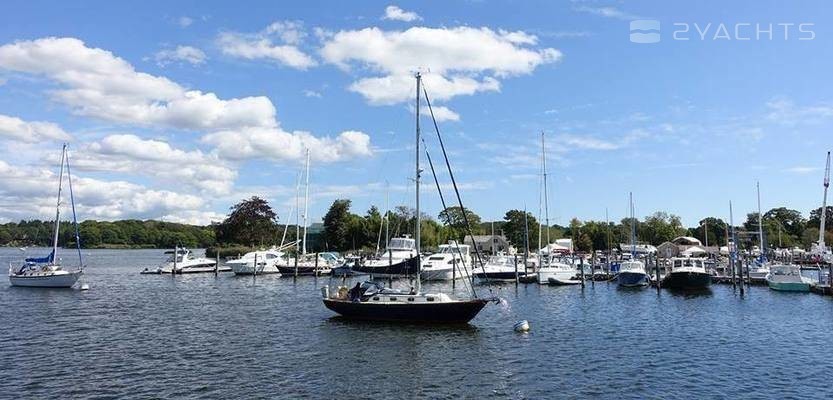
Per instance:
{"type": "Point", "coordinates": [178, 110]}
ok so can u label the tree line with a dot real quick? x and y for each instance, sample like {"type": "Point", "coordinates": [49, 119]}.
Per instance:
{"type": "Point", "coordinates": [252, 223]}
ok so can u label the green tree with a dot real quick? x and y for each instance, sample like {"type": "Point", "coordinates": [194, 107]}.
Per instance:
{"type": "Point", "coordinates": [514, 227]}
{"type": "Point", "coordinates": [455, 220]}
{"type": "Point", "coordinates": [251, 222]}
{"type": "Point", "coordinates": [337, 225]}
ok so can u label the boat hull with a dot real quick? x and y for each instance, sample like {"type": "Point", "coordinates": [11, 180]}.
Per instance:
{"type": "Point", "coordinates": [303, 271]}
{"type": "Point", "coordinates": [443, 274]}
{"type": "Point", "coordinates": [497, 275]}
{"type": "Point", "coordinates": [402, 268]}
{"type": "Point", "coordinates": [633, 279]}
{"type": "Point", "coordinates": [789, 286]}
{"type": "Point", "coordinates": [46, 281]}
{"type": "Point", "coordinates": [687, 280]}
{"type": "Point", "coordinates": [246, 269]}
{"type": "Point", "coordinates": [443, 312]}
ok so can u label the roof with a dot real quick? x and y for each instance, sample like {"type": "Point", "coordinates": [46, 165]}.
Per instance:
{"type": "Point", "coordinates": [687, 240]}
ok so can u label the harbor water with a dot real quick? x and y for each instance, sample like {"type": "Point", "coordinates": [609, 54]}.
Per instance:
{"type": "Point", "coordinates": [201, 336]}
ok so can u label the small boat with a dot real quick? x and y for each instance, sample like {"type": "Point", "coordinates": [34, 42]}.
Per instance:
{"type": "Point", "coordinates": [183, 261]}
{"type": "Point", "coordinates": [307, 265]}
{"type": "Point", "coordinates": [788, 278]}
{"type": "Point", "coordinates": [453, 261]}
{"type": "Point", "coordinates": [687, 273]}
{"type": "Point", "coordinates": [501, 268]}
{"type": "Point", "coordinates": [267, 262]}
{"type": "Point", "coordinates": [632, 272]}
{"type": "Point", "coordinates": [46, 272]}
{"type": "Point", "coordinates": [557, 272]}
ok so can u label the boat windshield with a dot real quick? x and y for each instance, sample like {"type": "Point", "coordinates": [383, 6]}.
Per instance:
{"type": "Point", "coordinates": [688, 262]}
{"type": "Point", "coordinates": [501, 260]}
{"type": "Point", "coordinates": [785, 270]}
{"type": "Point", "coordinates": [401, 244]}
{"type": "Point", "coordinates": [456, 249]}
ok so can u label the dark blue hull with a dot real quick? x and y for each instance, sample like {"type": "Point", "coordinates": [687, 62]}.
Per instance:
{"type": "Point", "coordinates": [687, 280]}
{"type": "Point", "coordinates": [633, 279]}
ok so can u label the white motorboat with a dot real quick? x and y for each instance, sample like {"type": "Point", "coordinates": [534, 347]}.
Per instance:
{"type": "Point", "coordinates": [398, 259]}
{"type": "Point", "coordinates": [557, 272]}
{"type": "Point", "coordinates": [632, 273]}
{"type": "Point", "coordinates": [788, 278]}
{"type": "Point", "coordinates": [453, 261]}
{"type": "Point", "coordinates": [183, 261]}
{"type": "Point", "coordinates": [266, 260]}
{"type": "Point", "coordinates": [46, 272]}
{"type": "Point", "coordinates": [500, 268]}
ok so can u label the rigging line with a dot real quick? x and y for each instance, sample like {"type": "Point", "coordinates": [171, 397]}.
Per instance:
{"type": "Point", "coordinates": [453, 181]}
{"type": "Point", "coordinates": [74, 218]}
{"type": "Point", "coordinates": [448, 217]}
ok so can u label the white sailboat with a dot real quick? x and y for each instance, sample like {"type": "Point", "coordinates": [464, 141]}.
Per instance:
{"type": "Point", "coordinates": [47, 271]}
{"type": "Point", "coordinates": [632, 273]}
{"type": "Point", "coordinates": [820, 249]}
{"type": "Point", "coordinates": [759, 270]}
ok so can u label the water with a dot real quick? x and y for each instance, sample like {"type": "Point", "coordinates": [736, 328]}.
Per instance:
{"type": "Point", "coordinates": [155, 336]}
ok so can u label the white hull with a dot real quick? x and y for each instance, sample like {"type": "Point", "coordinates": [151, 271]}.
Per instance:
{"type": "Point", "coordinates": [60, 280]}
{"type": "Point", "coordinates": [558, 275]}
{"type": "Point", "coordinates": [246, 269]}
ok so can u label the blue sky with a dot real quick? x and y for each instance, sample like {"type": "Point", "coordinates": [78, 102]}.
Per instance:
{"type": "Point", "coordinates": [176, 110]}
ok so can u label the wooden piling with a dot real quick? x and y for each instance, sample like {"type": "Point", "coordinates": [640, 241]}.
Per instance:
{"type": "Point", "coordinates": [453, 272]}
{"type": "Point", "coordinates": [740, 273]}
{"type": "Point", "coordinates": [316, 265]}
{"type": "Point", "coordinates": [217, 264]}
{"type": "Point", "coordinates": [656, 267]}
{"type": "Point", "coordinates": [296, 265]}
{"type": "Point", "coordinates": [517, 279]}
{"type": "Point", "coordinates": [581, 267]}
{"type": "Point", "coordinates": [254, 269]}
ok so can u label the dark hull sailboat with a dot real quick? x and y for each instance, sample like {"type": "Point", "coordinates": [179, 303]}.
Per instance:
{"type": "Point", "coordinates": [687, 280]}
{"type": "Point", "coordinates": [456, 311]}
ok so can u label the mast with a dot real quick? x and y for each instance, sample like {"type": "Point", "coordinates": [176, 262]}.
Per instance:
{"type": "Point", "coordinates": [546, 194]}
{"type": "Point", "coordinates": [633, 225]}
{"type": "Point", "coordinates": [760, 223]}
{"type": "Point", "coordinates": [298, 215]}
{"type": "Point", "coordinates": [58, 206]}
{"type": "Point", "coordinates": [417, 232]}
{"type": "Point", "coordinates": [823, 215]}
{"type": "Point", "coordinates": [306, 205]}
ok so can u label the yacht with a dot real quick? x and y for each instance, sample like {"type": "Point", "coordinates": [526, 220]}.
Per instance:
{"type": "Point", "coordinates": [47, 272]}
{"type": "Point", "coordinates": [267, 262]}
{"type": "Point", "coordinates": [398, 259]}
{"type": "Point", "coordinates": [787, 278]}
{"type": "Point", "coordinates": [687, 273]}
{"type": "Point", "coordinates": [557, 272]}
{"type": "Point", "coordinates": [453, 261]}
{"type": "Point", "coordinates": [183, 261]}
{"type": "Point", "coordinates": [500, 268]}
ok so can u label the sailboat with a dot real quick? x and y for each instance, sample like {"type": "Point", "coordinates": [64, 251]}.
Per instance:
{"type": "Point", "coordinates": [759, 270]}
{"type": "Point", "coordinates": [819, 249]}
{"type": "Point", "coordinates": [551, 271]}
{"type": "Point", "coordinates": [372, 301]}
{"type": "Point", "coordinates": [47, 271]}
{"type": "Point", "coordinates": [303, 263]}
{"type": "Point", "coordinates": [632, 273]}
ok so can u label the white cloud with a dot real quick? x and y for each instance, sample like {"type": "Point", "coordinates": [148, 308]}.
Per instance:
{"type": "Point", "coordinates": [785, 111]}
{"type": "Point", "coordinates": [261, 45]}
{"type": "Point", "coordinates": [608, 12]}
{"type": "Point", "coordinates": [586, 142]}
{"type": "Point", "coordinates": [96, 83]}
{"type": "Point", "coordinates": [802, 170]}
{"type": "Point", "coordinates": [177, 168]}
{"type": "Point", "coordinates": [277, 144]}
{"type": "Point", "coordinates": [184, 22]}
{"type": "Point", "coordinates": [458, 61]}
{"type": "Point", "coordinates": [312, 93]}
{"type": "Point", "coordinates": [191, 55]}
{"type": "Point", "coordinates": [395, 13]}
{"type": "Point", "coordinates": [441, 113]}
{"type": "Point", "coordinates": [31, 132]}
{"type": "Point", "coordinates": [29, 192]}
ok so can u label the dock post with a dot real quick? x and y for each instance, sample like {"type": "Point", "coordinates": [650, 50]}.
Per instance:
{"type": "Point", "coordinates": [516, 270]}
{"type": "Point", "coordinates": [217, 263]}
{"type": "Point", "coordinates": [593, 270]}
{"type": "Point", "coordinates": [176, 254]}
{"type": "Point", "coordinates": [748, 276]}
{"type": "Point", "coordinates": [296, 265]}
{"type": "Point", "coordinates": [254, 268]}
{"type": "Point", "coordinates": [453, 273]}
{"type": "Point", "coordinates": [732, 267]}
{"type": "Point", "coordinates": [740, 273]}
{"type": "Point", "coordinates": [581, 267]}
{"type": "Point", "coordinates": [316, 265]}
{"type": "Point", "coordinates": [659, 279]}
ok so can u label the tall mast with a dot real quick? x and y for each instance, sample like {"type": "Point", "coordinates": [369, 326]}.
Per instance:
{"type": "Point", "coordinates": [306, 204]}
{"type": "Point", "coordinates": [546, 194]}
{"type": "Point", "coordinates": [633, 225]}
{"type": "Point", "coordinates": [760, 223]}
{"type": "Point", "coordinates": [58, 206]}
{"type": "Point", "coordinates": [823, 216]}
{"type": "Point", "coordinates": [298, 215]}
{"type": "Point", "coordinates": [416, 183]}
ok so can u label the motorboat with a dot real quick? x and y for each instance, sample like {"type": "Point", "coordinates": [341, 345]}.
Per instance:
{"type": "Point", "coordinates": [266, 260]}
{"type": "Point", "coordinates": [501, 267]}
{"type": "Point", "coordinates": [557, 271]}
{"type": "Point", "coordinates": [632, 272]}
{"type": "Point", "coordinates": [311, 264]}
{"type": "Point", "coordinates": [47, 272]}
{"type": "Point", "coordinates": [687, 273]}
{"type": "Point", "coordinates": [787, 278]}
{"type": "Point", "coordinates": [453, 261]}
{"type": "Point", "coordinates": [183, 261]}
{"type": "Point", "coordinates": [398, 259]}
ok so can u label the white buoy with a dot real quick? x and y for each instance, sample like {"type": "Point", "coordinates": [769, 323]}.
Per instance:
{"type": "Point", "coordinates": [85, 286]}
{"type": "Point", "coordinates": [522, 326]}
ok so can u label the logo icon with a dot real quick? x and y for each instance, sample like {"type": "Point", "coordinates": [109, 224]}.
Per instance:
{"type": "Point", "coordinates": [645, 31]}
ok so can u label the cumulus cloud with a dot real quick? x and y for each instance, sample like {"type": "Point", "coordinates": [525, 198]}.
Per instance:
{"type": "Point", "coordinates": [96, 83]}
{"type": "Point", "coordinates": [458, 61]}
{"type": "Point", "coordinates": [181, 54]}
{"type": "Point", "coordinates": [27, 192]}
{"type": "Point", "coordinates": [395, 13]}
{"type": "Point", "coordinates": [608, 12]}
{"type": "Point", "coordinates": [278, 144]}
{"type": "Point", "coordinates": [131, 154]}
{"type": "Point", "coordinates": [261, 45]}
{"type": "Point", "coordinates": [185, 22]}
{"type": "Point", "coordinates": [31, 132]}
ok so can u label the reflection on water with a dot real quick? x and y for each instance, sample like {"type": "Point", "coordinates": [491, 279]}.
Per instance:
{"type": "Point", "coordinates": [158, 336]}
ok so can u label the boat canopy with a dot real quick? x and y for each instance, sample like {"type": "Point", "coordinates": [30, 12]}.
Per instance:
{"type": "Point", "coordinates": [402, 244]}
{"type": "Point", "coordinates": [42, 260]}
